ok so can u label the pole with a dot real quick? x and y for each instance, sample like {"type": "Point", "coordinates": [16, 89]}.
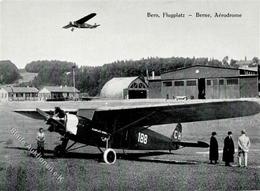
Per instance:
{"type": "Point", "coordinates": [73, 74]}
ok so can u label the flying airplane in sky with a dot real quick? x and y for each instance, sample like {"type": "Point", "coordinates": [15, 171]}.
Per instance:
{"type": "Point", "coordinates": [81, 23]}
{"type": "Point", "coordinates": [126, 125]}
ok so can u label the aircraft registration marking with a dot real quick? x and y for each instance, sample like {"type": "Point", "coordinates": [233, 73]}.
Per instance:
{"type": "Point", "coordinates": [142, 138]}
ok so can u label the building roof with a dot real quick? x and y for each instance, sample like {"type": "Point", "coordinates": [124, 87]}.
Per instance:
{"type": "Point", "coordinates": [244, 62]}
{"type": "Point", "coordinates": [198, 65]}
{"type": "Point", "coordinates": [246, 68]}
{"type": "Point", "coordinates": [61, 89]}
{"type": "Point", "coordinates": [11, 89]}
{"type": "Point", "coordinates": [155, 78]}
{"type": "Point", "coordinates": [114, 87]}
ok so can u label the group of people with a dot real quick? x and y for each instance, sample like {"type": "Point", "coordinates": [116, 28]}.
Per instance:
{"type": "Point", "coordinates": [229, 149]}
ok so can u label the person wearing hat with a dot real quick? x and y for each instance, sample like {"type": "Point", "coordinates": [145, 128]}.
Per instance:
{"type": "Point", "coordinates": [243, 148]}
{"type": "Point", "coordinates": [213, 149]}
{"type": "Point", "coordinates": [40, 141]}
{"type": "Point", "coordinates": [228, 150]}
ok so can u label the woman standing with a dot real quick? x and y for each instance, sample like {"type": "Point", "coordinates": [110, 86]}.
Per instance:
{"type": "Point", "coordinates": [213, 149]}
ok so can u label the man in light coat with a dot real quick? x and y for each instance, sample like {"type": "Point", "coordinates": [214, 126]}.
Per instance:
{"type": "Point", "coordinates": [243, 148]}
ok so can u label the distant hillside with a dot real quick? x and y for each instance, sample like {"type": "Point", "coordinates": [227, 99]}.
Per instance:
{"type": "Point", "coordinates": [9, 73]}
{"type": "Point", "coordinates": [26, 77]}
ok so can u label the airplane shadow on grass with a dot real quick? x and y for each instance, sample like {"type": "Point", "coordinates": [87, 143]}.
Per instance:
{"type": "Point", "coordinates": [121, 156]}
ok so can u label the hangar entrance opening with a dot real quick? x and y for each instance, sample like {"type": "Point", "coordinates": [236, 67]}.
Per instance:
{"type": "Point", "coordinates": [201, 88]}
{"type": "Point", "coordinates": [137, 94]}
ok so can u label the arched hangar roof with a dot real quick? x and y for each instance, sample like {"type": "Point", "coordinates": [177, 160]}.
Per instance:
{"type": "Point", "coordinates": [115, 87]}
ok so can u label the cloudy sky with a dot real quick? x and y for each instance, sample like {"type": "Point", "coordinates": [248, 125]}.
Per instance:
{"type": "Point", "coordinates": [32, 30]}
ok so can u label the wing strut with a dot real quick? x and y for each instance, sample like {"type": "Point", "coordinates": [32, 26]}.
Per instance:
{"type": "Point", "coordinates": [133, 123]}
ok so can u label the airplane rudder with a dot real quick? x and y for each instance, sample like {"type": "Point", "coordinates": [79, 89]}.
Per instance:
{"type": "Point", "coordinates": [177, 133]}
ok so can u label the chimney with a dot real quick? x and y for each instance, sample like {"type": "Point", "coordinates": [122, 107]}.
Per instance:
{"type": "Point", "coordinates": [147, 74]}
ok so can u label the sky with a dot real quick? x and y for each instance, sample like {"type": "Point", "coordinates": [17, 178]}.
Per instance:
{"type": "Point", "coordinates": [32, 30]}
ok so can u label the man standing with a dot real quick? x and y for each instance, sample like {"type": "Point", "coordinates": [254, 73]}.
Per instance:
{"type": "Point", "coordinates": [243, 148]}
{"type": "Point", "coordinates": [213, 149]}
{"type": "Point", "coordinates": [40, 141]}
{"type": "Point", "coordinates": [228, 150]}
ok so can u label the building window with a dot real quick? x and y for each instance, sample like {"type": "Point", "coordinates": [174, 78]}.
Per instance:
{"type": "Point", "coordinates": [221, 82]}
{"type": "Point", "coordinates": [141, 85]}
{"type": "Point", "coordinates": [134, 85]}
{"type": "Point", "coordinates": [208, 82]}
{"type": "Point", "coordinates": [167, 84]}
{"type": "Point", "coordinates": [191, 83]}
{"type": "Point", "coordinates": [179, 83]}
{"type": "Point", "coordinates": [19, 94]}
{"type": "Point", "coordinates": [232, 81]}
{"type": "Point", "coordinates": [215, 82]}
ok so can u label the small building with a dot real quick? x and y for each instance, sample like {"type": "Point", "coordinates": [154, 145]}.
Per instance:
{"type": "Point", "coordinates": [58, 93]}
{"type": "Point", "coordinates": [125, 88]}
{"type": "Point", "coordinates": [208, 82]}
{"type": "Point", "coordinates": [10, 93]}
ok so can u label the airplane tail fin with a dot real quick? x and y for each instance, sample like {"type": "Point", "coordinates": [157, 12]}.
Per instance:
{"type": "Point", "coordinates": [176, 139]}
{"type": "Point", "coordinates": [177, 133]}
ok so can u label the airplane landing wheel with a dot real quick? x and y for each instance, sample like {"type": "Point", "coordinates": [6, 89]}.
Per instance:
{"type": "Point", "coordinates": [109, 156]}
{"type": "Point", "coordinates": [59, 151]}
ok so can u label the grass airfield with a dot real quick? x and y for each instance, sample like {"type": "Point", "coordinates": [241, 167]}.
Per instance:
{"type": "Point", "coordinates": [184, 169]}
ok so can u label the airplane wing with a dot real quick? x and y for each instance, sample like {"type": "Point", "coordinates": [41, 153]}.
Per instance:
{"type": "Point", "coordinates": [67, 26]}
{"type": "Point", "coordinates": [86, 18]}
{"type": "Point", "coordinates": [41, 114]}
{"type": "Point", "coordinates": [124, 117]}
{"type": "Point", "coordinates": [113, 119]}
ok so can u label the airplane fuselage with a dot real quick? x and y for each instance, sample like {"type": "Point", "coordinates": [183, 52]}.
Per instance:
{"type": "Point", "coordinates": [84, 25]}
{"type": "Point", "coordinates": [137, 138]}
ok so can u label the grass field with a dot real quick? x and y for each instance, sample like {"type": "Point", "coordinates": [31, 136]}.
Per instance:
{"type": "Point", "coordinates": [184, 169]}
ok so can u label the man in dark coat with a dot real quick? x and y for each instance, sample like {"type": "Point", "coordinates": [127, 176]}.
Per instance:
{"type": "Point", "coordinates": [213, 149]}
{"type": "Point", "coordinates": [228, 150]}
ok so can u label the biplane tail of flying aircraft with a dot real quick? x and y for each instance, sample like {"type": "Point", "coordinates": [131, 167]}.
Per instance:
{"type": "Point", "coordinates": [81, 23]}
{"type": "Point", "coordinates": [127, 126]}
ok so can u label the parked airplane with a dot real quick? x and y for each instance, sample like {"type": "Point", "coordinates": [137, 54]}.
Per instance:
{"type": "Point", "coordinates": [127, 126]}
{"type": "Point", "coordinates": [81, 23]}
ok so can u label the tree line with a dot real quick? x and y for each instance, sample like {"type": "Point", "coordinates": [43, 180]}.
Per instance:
{"type": "Point", "coordinates": [91, 79]}
{"type": "Point", "coordinates": [9, 73]}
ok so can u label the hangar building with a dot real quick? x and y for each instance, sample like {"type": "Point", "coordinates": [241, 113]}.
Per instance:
{"type": "Point", "coordinates": [125, 88]}
{"type": "Point", "coordinates": [207, 82]}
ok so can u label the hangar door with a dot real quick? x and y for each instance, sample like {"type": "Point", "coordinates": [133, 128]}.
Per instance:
{"type": "Point", "coordinates": [137, 90]}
